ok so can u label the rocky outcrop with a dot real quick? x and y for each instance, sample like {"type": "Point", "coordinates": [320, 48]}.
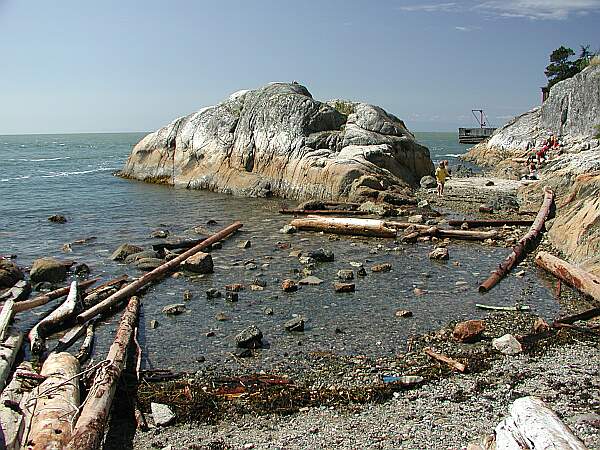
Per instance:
{"type": "Point", "coordinates": [277, 140]}
{"type": "Point", "coordinates": [570, 112]}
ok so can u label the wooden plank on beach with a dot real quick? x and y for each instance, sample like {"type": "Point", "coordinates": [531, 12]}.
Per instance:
{"type": "Point", "coordinates": [324, 212]}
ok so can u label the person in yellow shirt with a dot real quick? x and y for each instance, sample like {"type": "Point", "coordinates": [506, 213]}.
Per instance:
{"type": "Point", "coordinates": [441, 173]}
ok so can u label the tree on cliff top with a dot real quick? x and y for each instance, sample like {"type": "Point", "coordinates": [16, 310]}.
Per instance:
{"type": "Point", "coordinates": [562, 67]}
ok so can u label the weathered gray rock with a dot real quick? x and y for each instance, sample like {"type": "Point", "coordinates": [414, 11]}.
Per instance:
{"type": "Point", "coordinates": [160, 234]}
{"type": "Point", "coordinates": [199, 263]}
{"type": "Point", "coordinates": [311, 280]}
{"type": "Point", "coordinates": [277, 140]}
{"type": "Point", "coordinates": [428, 182]}
{"type": "Point", "coordinates": [439, 253]}
{"type": "Point", "coordinates": [140, 255]}
{"type": "Point", "coordinates": [288, 229]}
{"type": "Point", "coordinates": [294, 324]}
{"type": "Point", "coordinates": [174, 309]}
{"type": "Point", "coordinates": [345, 274]}
{"type": "Point", "coordinates": [213, 293]}
{"type": "Point", "coordinates": [161, 414]}
{"type": "Point", "coordinates": [124, 251]}
{"type": "Point", "coordinates": [417, 218]}
{"type": "Point", "coordinates": [9, 273]}
{"type": "Point", "coordinates": [507, 344]}
{"type": "Point", "coordinates": [251, 337]}
{"type": "Point", "coordinates": [48, 269]}
{"type": "Point", "coordinates": [147, 264]}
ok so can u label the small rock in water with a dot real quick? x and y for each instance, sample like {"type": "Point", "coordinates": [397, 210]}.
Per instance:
{"type": "Point", "coordinates": [161, 414]}
{"type": "Point", "coordinates": [211, 222]}
{"type": "Point", "coordinates": [385, 267]}
{"type": "Point", "coordinates": [361, 272]}
{"type": "Point", "coordinates": [221, 317]}
{"type": "Point", "coordinates": [288, 229]}
{"type": "Point", "coordinates": [216, 246]}
{"type": "Point", "coordinates": [242, 353]}
{"type": "Point", "coordinates": [187, 295]}
{"type": "Point", "coordinates": [251, 337]}
{"type": "Point", "coordinates": [403, 313]}
{"type": "Point", "coordinates": [356, 264]}
{"type": "Point", "coordinates": [199, 263]}
{"type": "Point", "coordinates": [236, 287]}
{"type": "Point", "coordinates": [468, 330]}
{"type": "Point", "coordinates": [57, 218]}
{"type": "Point", "coordinates": [464, 226]}
{"type": "Point", "coordinates": [311, 280]}
{"type": "Point", "coordinates": [440, 253]}
{"type": "Point", "coordinates": [67, 248]}
{"type": "Point", "coordinates": [423, 204]}
{"type": "Point", "coordinates": [213, 293]}
{"type": "Point", "coordinates": [48, 269]}
{"type": "Point", "coordinates": [147, 264]}
{"type": "Point", "coordinates": [258, 282]}
{"type": "Point", "coordinates": [322, 255]}
{"type": "Point", "coordinates": [269, 311]}
{"type": "Point", "coordinates": [154, 324]}
{"type": "Point", "coordinates": [140, 255]}
{"type": "Point", "coordinates": [124, 251]}
{"type": "Point", "coordinates": [344, 287]}
{"type": "Point", "coordinates": [520, 273]}
{"type": "Point", "coordinates": [245, 244]}
{"type": "Point", "coordinates": [418, 291]}
{"type": "Point", "coordinates": [174, 309]}
{"type": "Point", "coordinates": [306, 260]}
{"type": "Point", "coordinates": [507, 345]}
{"type": "Point", "coordinates": [250, 266]}
{"type": "Point", "coordinates": [231, 296]}
{"type": "Point", "coordinates": [295, 324]}
{"type": "Point", "coordinates": [82, 270]}
{"type": "Point", "coordinates": [295, 253]}
{"type": "Point", "coordinates": [160, 234]}
{"type": "Point", "coordinates": [345, 274]}
{"type": "Point", "coordinates": [210, 334]}
{"type": "Point", "coordinates": [289, 286]}
{"type": "Point", "coordinates": [256, 287]}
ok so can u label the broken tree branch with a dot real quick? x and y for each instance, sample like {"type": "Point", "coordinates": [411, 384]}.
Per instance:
{"type": "Point", "coordinates": [86, 346]}
{"type": "Point", "coordinates": [449, 361]}
{"type": "Point", "coordinates": [583, 281]}
{"type": "Point", "coordinates": [490, 222]}
{"type": "Point", "coordinates": [160, 271]}
{"type": "Point", "coordinates": [8, 353]}
{"type": "Point", "coordinates": [441, 232]}
{"type": "Point", "coordinates": [89, 429]}
{"type": "Point", "coordinates": [11, 416]}
{"type": "Point", "coordinates": [45, 298]}
{"type": "Point", "coordinates": [522, 247]}
{"type": "Point", "coordinates": [324, 212]}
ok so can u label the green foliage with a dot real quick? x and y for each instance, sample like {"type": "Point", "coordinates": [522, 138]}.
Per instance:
{"type": "Point", "coordinates": [345, 108]}
{"type": "Point", "coordinates": [561, 65]}
{"type": "Point", "coordinates": [597, 133]}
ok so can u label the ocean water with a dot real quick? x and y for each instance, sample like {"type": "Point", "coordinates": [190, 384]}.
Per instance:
{"type": "Point", "coordinates": [72, 175]}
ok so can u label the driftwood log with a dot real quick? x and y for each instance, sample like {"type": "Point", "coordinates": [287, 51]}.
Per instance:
{"type": "Point", "coordinates": [522, 247]}
{"type": "Point", "coordinates": [503, 308]}
{"type": "Point", "coordinates": [11, 417]}
{"type": "Point", "coordinates": [186, 243]}
{"type": "Point", "coordinates": [19, 291]}
{"type": "Point", "coordinates": [85, 350]}
{"type": "Point", "coordinates": [45, 298]}
{"type": "Point", "coordinates": [345, 225]}
{"type": "Point", "coordinates": [532, 425]}
{"type": "Point", "coordinates": [69, 338]}
{"type": "Point", "coordinates": [8, 353]}
{"type": "Point", "coordinates": [160, 271]}
{"type": "Point", "coordinates": [445, 359]}
{"type": "Point", "coordinates": [54, 403]}
{"type": "Point", "coordinates": [583, 281]}
{"type": "Point", "coordinates": [6, 315]}
{"type": "Point", "coordinates": [37, 335]}
{"type": "Point", "coordinates": [585, 315]}
{"type": "Point", "coordinates": [475, 223]}
{"type": "Point", "coordinates": [89, 429]}
{"type": "Point", "coordinates": [441, 232]}
{"type": "Point", "coordinates": [324, 212]}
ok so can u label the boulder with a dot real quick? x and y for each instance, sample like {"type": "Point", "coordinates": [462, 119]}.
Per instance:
{"type": "Point", "coordinates": [48, 269]}
{"type": "Point", "coordinates": [140, 255]}
{"type": "Point", "coordinates": [174, 309]}
{"type": "Point", "coordinates": [278, 140]}
{"type": "Point", "coordinates": [124, 251]}
{"type": "Point", "coordinates": [148, 264]}
{"type": "Point", "coordinates": [507, 345]}
{"type": "Point", "coordinates": [428, 182]}
{"type": "Point", "coordinates": [345, 274]}
{"type": "Point", "coordinates": [289, 286]}
{"type": "Point", "coordinates": [9, 273]}
{"type": "Point", "coordinates": [295, 324]}
{"type": "Point", "coordinates": [439, 253]}
{"type": "Point", "coordinates": [251, 337]}
{"type": "Point", "coordinates": [468, 331]}
{"type": "Point", "coordinates": [161, 414]}
{"type": "Point", "coordinates": [199, 263]}
{"type": "Point", "coordinates": [57, 218]}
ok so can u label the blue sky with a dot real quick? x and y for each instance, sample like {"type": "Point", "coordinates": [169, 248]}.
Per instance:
{"type": "Point", "coordinates": [102, 66]}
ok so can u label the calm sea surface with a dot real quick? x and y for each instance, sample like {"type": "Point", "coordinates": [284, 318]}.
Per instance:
{"type": "Point", "coordinates": [72, 175]}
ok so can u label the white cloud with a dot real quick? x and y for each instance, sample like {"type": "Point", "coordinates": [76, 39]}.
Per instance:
{"type": "Point", "coordinates": [431, 7]}
{"type": "Point", "coordinates": [466, 29]}
{"type": "Point", "coordinates": [540, 9]}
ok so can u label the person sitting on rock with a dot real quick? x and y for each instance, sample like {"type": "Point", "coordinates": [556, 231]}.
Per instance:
{"type": "Point", "coordinates": [441, 173]}
{"type": "Point", "coordinates": [541, 153]}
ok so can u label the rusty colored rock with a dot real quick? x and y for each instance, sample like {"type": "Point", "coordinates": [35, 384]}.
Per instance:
{"type": "Point", "coordinates": [289, 286]}
{"type": "Point", "coordinates": [468, 330]}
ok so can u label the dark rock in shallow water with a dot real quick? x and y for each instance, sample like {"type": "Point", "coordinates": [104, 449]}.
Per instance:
{"type": "Point", "coordinates": [361, 272]}
{"type": "Point", "coordinates": [174, 309]}
{"type": "Point", "coordinates": [295, 324]}
{"type": "Point", "coordinates": [345, 274]}
{"type": "Point", "coordinates": [9, 273]}
{"type": "Point", "coordinates": [124, 251]}
{"type": "Point", "coordinates": [385, 267]}
{"type": "Point", "coordinates": [221, 317]}
{"type": "Point", "coordinates": [82, 270]}
{"type": "Point", "coordinates": [57, 218]}
{"type": "Point", "coordinates": [321, 255]}
{"type": "Point", "coordinates": [213, 293]}
{"type": "Point", "coordinates": [48, 269]}
{"type": "Point", "coordinates": [251, 337]}
{"type": "Point", "coordinates": [231, 296]}
{"type": "Point", "coordinates": [245, 244]}
{"type": "Point", "coordinates": [160, 234]}
{"type": "Point", "coordinates": [289, 286]}
{"type": "Point", "coordinates": [140, 255]}
{"type": "Point", "coordinates": [343, 287]}
{"type": "Point", "coordinates": [147, 264]}
{"type": "Point", "coordinates": [440, 253]}
{"type": "Point", "coordinates": [199, 263]}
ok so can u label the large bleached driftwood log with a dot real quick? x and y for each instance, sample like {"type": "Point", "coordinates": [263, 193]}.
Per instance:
{"type": "Point", "coordinates": [490, 222]}
{"type": "Point", "coordinates": [160, 271]}
{"type": "Point", "coordinates": [11, 417]}
{"type": "Point", "coordinates": [522, 247]}
{"type": "Point", "coordinates": [324, 212]}
{"type": "Point", "coordinates": [54, 403]}
{"type": "Point", "coordinates": [345, 225]}
{"type": "Point", "coordinates": [442, 232]}
{"type": "Point", "coordinates": [37, 335]}
{"type": "Point", "coordinates": [49, 296]}
{"type": "Point", "coordinates": [6, 315]}
{"type": "Point", "coordinates": [580, 279]}
{"type": "Point", "coordinates": [532, 425]}
{"type": "Point", "coordinates": [8, 352]}
{"type": "Point", "coordinates": [89, 429]}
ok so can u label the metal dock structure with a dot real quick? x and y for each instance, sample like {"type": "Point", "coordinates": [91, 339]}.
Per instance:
{"type": "Point", "coordinates": [476, 135]}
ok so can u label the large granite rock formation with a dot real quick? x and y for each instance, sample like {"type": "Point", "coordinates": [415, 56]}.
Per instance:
{"type": "Point", "coordinates": [277, 140]}
{"type": "Point", "coordinates": [571, 112]}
